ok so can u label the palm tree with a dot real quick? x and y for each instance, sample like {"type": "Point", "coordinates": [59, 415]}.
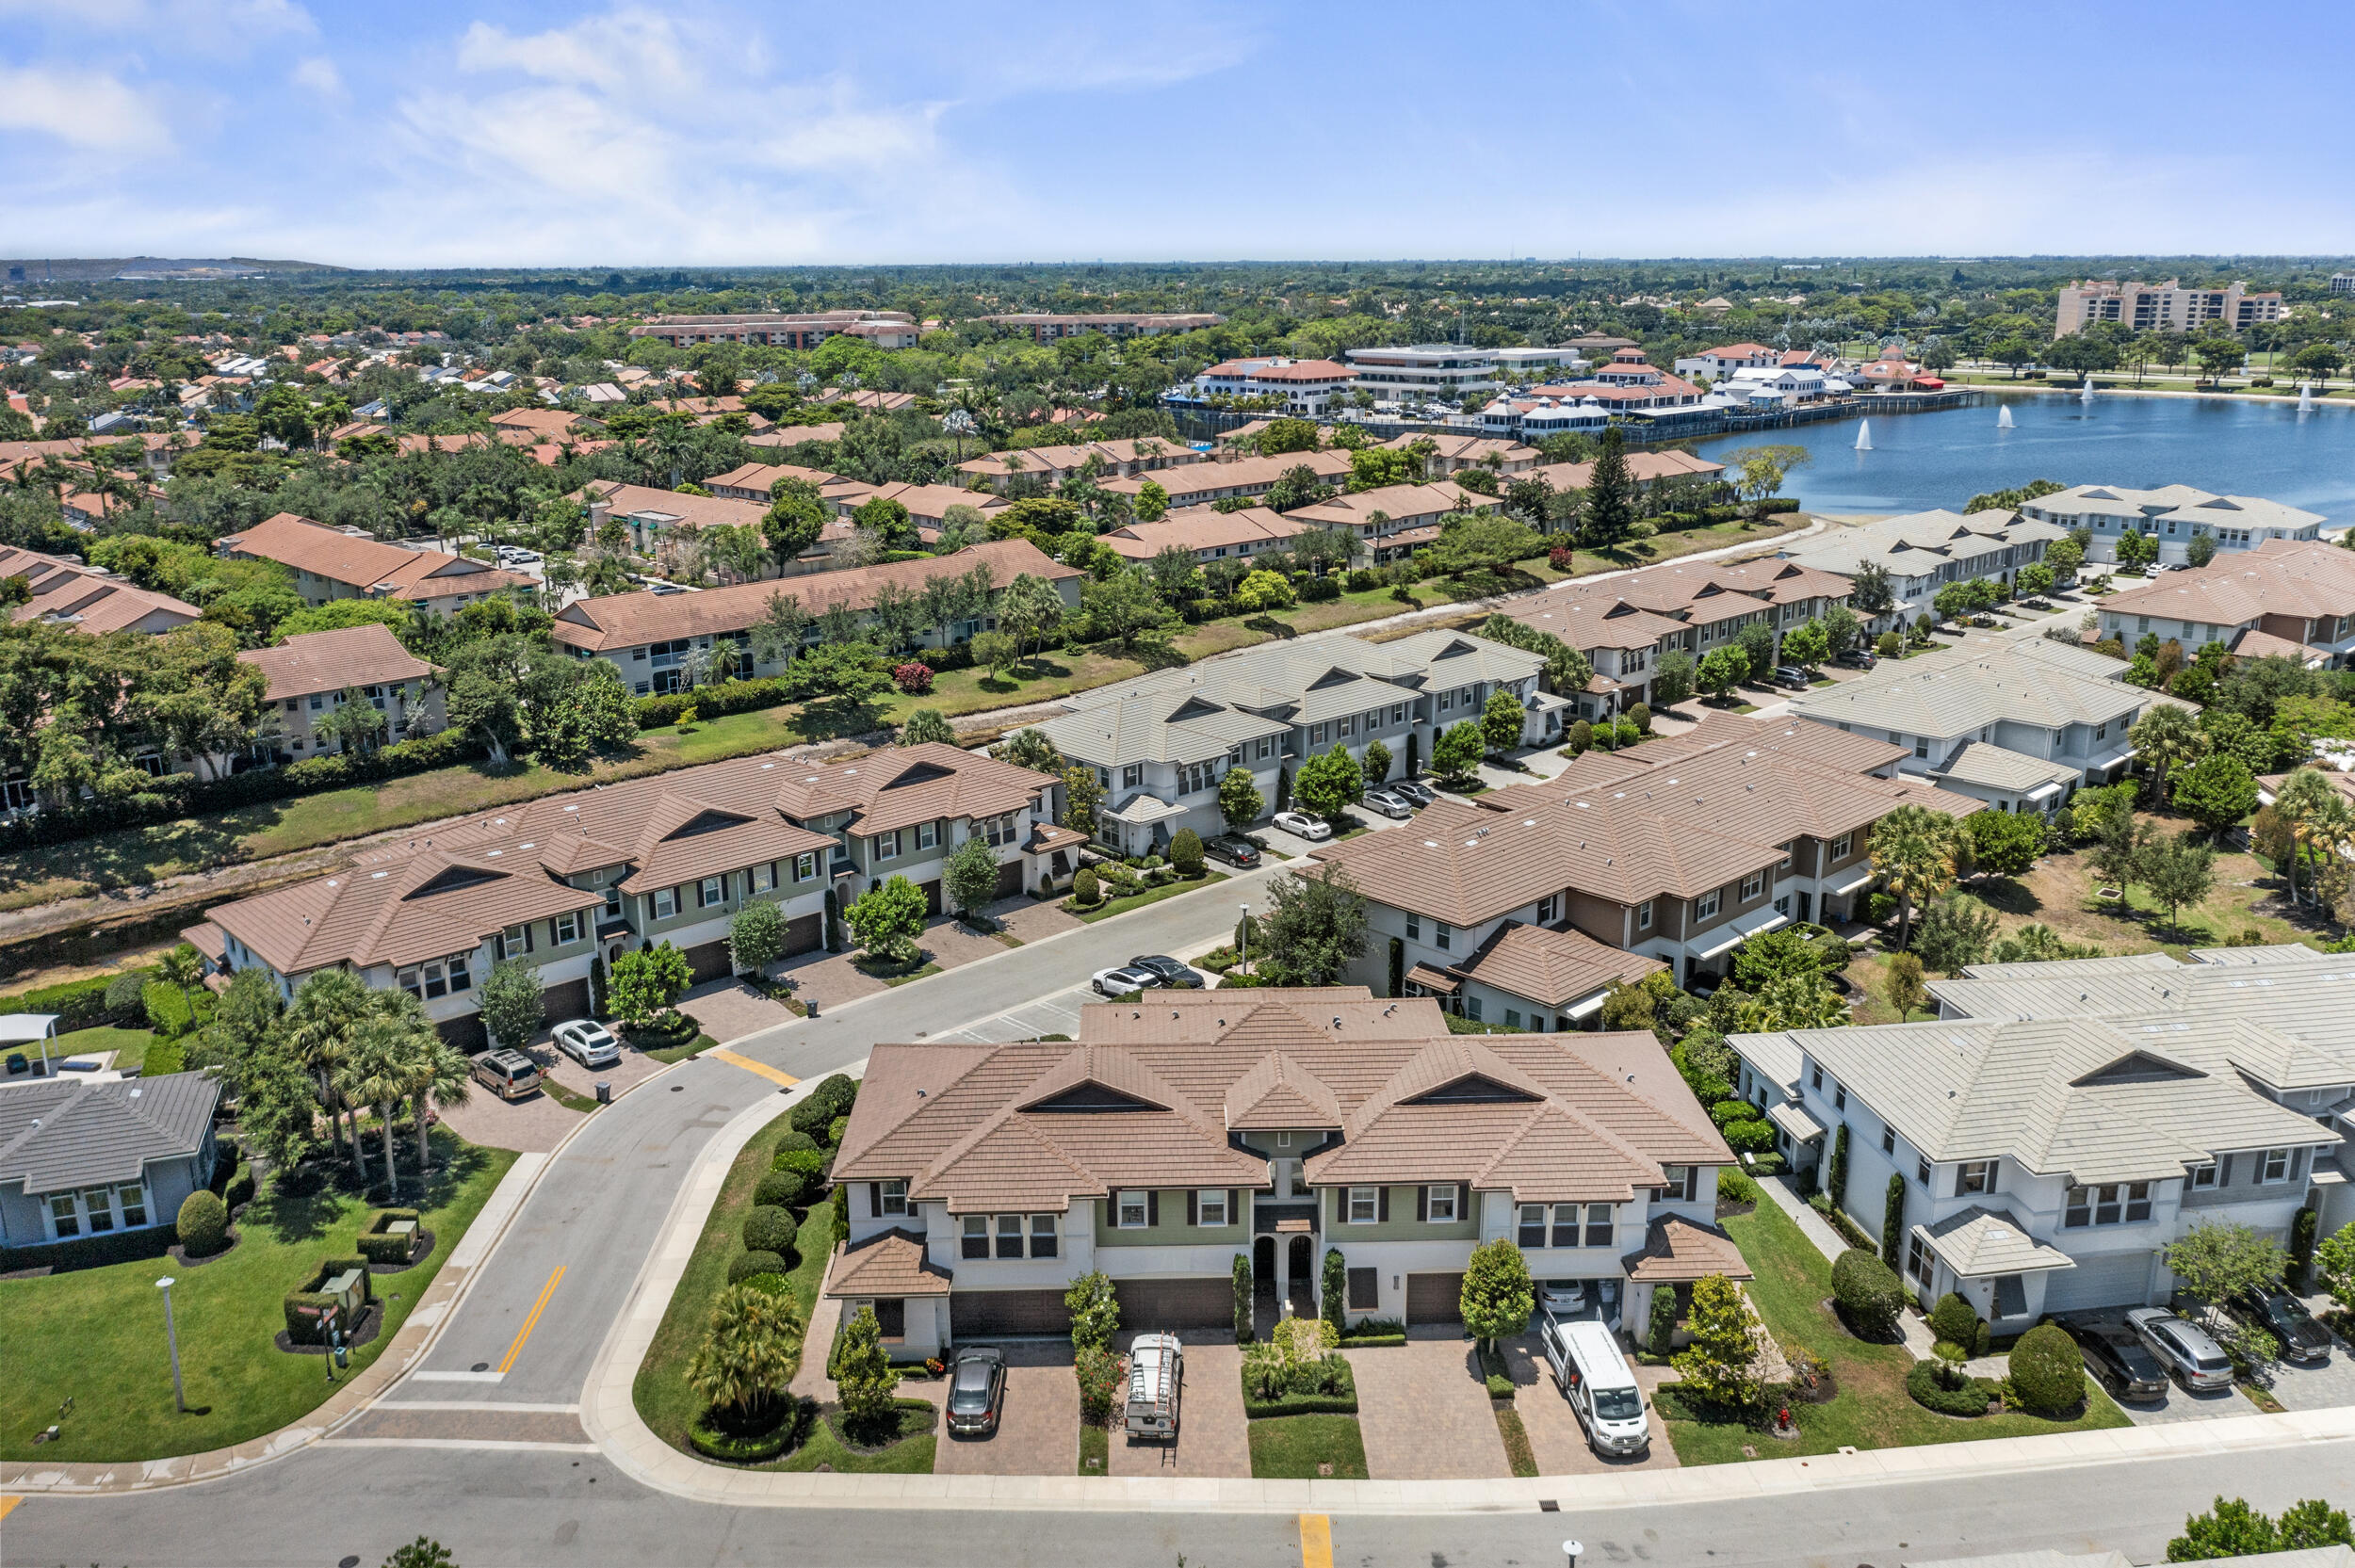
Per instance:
{"type": "Point", "coordinates": [318, 1026]}
{"type": "Point", "coordinates": [181, 967]}
{"type": "Point", "coordinates": [747, 1355]}
{"type": "Point", "coordinates": [2307, 802]}
{"type": "Point", "coordinates": [1913, 854]}
{"type": "Point", "coordinates": [2167, 738]}
{"type": "Point", "coordinates": [441, 1074]}
{"type": "Point", "coordinates": [387, 1046]}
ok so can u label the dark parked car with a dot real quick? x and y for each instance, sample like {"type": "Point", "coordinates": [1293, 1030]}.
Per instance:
{"type": "Point", "coordinates": [1792, 677]}
{"type": "Point", "coordinates": [2284, 1316]}
{"type": "Point", "coordinates": [977, 1390]}
{"type": "Point", "coordinates": [1234, 849]}
{"type": "Point", "coordinates": [1856, 658]}
{"type": "Point", "coordinates": [1172, 973]}
{"type": "Point", "coordinates": [2118, 1360]}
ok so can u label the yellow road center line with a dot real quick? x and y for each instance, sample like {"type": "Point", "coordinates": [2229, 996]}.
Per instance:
{"type": "Point", "coordinates": [532, 1321]}
{"type": "Point", "coordinates": [9, 1506]}
{"type": "Point", "coordinates": [788, 1079]}
{"type": "Point", "coordinates": [1316, 1541]}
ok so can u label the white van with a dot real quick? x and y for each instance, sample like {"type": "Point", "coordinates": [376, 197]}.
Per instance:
{"type": "Point", "coordinates": [1157, 1372]}
{"type": "Point", "coordinates": [1595, 1379]}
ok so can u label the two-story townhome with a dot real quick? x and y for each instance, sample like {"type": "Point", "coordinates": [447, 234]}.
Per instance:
{"type": "Point", "coordinates": [65, 593]}
{"type": "Point", "coordinates": [2286, 598]}
{"type": "Point", "coordinates": [2020, 726]}
{"type": "Point", "coordinates": [1173, 1138]}
{"type": "Point", "coordinates": [1208, 533]}
{"type": "Point", "coordinates": [1046, 467]}
{"type": "Point", "coordinates": [756, 482]}
{"type": "Point", "coordinates": [1230, 476]}
{"type": "Point", "coordinates": [1624, 624]}
{"type": "Point", "coordinates": [1921, 552]}
{"type": "Point", "coordinates": [658, 640]}
{"type": "Point", "coordinates": [331, 563]}
{"type": "Point", "coordinates": [567, 881]}
{"type": "Point", "coordinates": [310, 673]}
{"type": "Point", "coordinates": [1394, 521]}
{"type": "Point", "coordinates": [1162, 743]}
{"type": "Point", "coordinates": [2047, 1143]}
{"type": "Point", "coordinates": [2173, 516]}
{"type": "Point", "coordinates": [1447, 453]}
{"type": "Point", "coordinates": [1676, 852]}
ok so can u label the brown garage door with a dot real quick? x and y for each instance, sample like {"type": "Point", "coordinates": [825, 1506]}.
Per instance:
{"type": "Point", "coordinates": [1435, 1298]}
{"type": "Point", "coordinates": [466, 1032]}
{"type": "Point", "coordinates": [802, 934]}
{"type": "Point", "coordinates": [708, 962]}
{"type": "Point", "coordinates": [1010, 878]}
{"type": "Point", "coordinates": [987, 1314]}
{"type": "Point", "coordinates": [567, 1001]}
{"type": "Point", "coordinates": [932, 897]}
{"type": "Point", "coordinates": [1203, 1303]}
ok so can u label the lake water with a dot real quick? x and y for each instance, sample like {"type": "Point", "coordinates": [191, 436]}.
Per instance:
{"type": "Point", "coordinates": [1922, 461]}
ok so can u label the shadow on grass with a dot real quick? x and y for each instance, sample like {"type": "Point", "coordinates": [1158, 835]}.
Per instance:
{"type": "Point", "coordinates": [2008, 896]}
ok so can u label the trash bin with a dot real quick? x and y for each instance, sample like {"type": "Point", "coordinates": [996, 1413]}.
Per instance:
{"type": "Point", "coordinates": [604, 1091]}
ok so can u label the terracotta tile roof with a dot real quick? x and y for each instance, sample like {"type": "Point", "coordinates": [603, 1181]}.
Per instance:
{"type": "Point", "coordinates": [1550, 967]}
{"type": "Point", "coordinates": [793, 435]}
{"type": "Point", "coordinates": [691, 511]}
{"type": "Point", "coordinates": [1678, 1251]}
{"type": "Point", "coordinates": [888, 1264]}
{"type": "Point", "coordinates": [375, 568]}
{"type": "Point", "coordinates": [332, 660]}
{"type": "Point", "coordinates": [1066, 457]}
{"type": "Point", "coordinates": [1395, 501]}
{"type": "Point", "coordinates": [97, 602]}
{"type": "Point", "coordinates": [1194, 482]}
{"type": "Point", "coordinates": [903, 785]}
{"type": "Point", "coordinates": [1643, 467]}
{"type": "Point", "coordinates": [1152, 1093]}
{"type": "Point", "coordinates": [2302, 579]}
{"type": "Point", "coordinates": [1200, 529]}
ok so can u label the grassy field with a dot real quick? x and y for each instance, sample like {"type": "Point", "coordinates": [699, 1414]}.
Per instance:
{"type": "Point", "coordinates": [1872, 1409]}
{"type": "Point", "coordinates": [1290, 1447]}
{"type": "Point", "coordinates": [96, 1335]}
{"type": "Point", "coordinates": [129, 1045]}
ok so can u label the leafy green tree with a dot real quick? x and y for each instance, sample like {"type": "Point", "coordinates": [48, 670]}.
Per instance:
{"type": "Point", "coordinates": [2215, 1261]}
{"type": "Point", "coordinates": [509, 1000]}
{"type": "Point", "coordinates": [1806, 644]}
{"type": "Point", "coordinates": [1455, 755]}
{"type": "Point", "coordinates": [995, 652]}
{"type": "Point", "coordinates": [2334, 1261]}
{"type": "Point", "coordinates": [1095, 1310]}
{"type": "Point", "coordinates": [1501, 722]}
{"type": "Point", "coordinates": [1126, 610]}
{"type": "Point", "coordinates": [1262, 591]}
{"type": "Point", "coordinates": [1175, 577]}
{"type": "Point", "coordinates": [970, 875]}
{"type": "Point", "coordinates": [2005, 843]}
{"type": "Point", "coordinates": [2137, 550]}
{"type": "Point", "coordinates": [1028, 608]}
{"type": "Point", "coordinates": [2217, 791]}
{"type": "Point", "coordinates": [1722, 671]}
{"type": "Point", "coordinates": [1288, 435]}
{"type": "Point", "coordinates": [2230, 1528]}
{"type": "Point", "coordinates": [1609, 509]}
{"type": "Point", "coordinates": [1672, 680]}
{"type": "Point", "coordinates": [1330, 784]}
{"type": "Point", "coordinates": [1314, 930]}
{"type": "Point", "coordinates": [2313, 1523]}
{"type": "Point", "coordinates": [1376, 762]}
{"type": "Point", "coordinates": [1869, 593]}
{"type": "Point", "coordinates": [888, 919]}
{"type": "Point", "coordinates": [1720, 1365]}
{"type": "Point", "coordinates": [1185, 853]}
{"type": "Point", "coordinates": [2177, 871]}
{"type": "Point", "coordinates": [2065, 556]}
{"type": "Point", "coordinates": [797, 516]}
{"type": "Point", "coordinates": [1082, 791]}
{"type": "Point", "coordinates": [756, 937]}
{"type": "Point", "coordinates": [1756, 641]}
{"type": "Point", "coordinates": [2200, 551]}
{"type": "Point", "coordinates": [1956, 931]}
{"type": "Point", "coordinates": [1030, 748]}
{"type": "Point", "coordinates": [1239, 799]}
{"type": "Point", "coordinates": [1152, 502]}
{"type": "Point", "coordinates": [648, 981]}
{"type": "Point", "coordinates": [1803, 1000]}
{"type": "Point", "coordinates": [1906, 989]}
{"type": "Point", "coordinates": [1497, 1295]}
{"type": "Point", "coordinates": [863, 1378]}
{"type": "Point", "coordinates": [838, 680]}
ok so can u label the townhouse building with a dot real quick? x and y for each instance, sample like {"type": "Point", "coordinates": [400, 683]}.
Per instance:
{"type": "Point", "coordinates": [2294, 599]}
{"type": "Point", "coordinates": [567, 881]}
{"type": "Point", "coordinates": [1717, 363]}
{"type": "Point", "coordinates": [1275, 1125]}
{"type": "Point", "coordinates": [1921, 552]}
{"type": "Point", "coordinates": [1161, 743]}
{"type": "Point", "coordinates": [1446, 453]}
{"type": "Point", "coordinates": [1393, 521]}
{"type": "Point", "coordinates": [1229, 476]}
{"type": "Point", "coordinates": [1047, 326]}
{"type": "Point", "coordinates": [313, 674]}
{"type": "Point", "coordinates": [1645, 470]}
{"type": "Point", "coordinates": [656, 640]}
{"type": "Point", "coordinates": [1423, 372]}
{"type": "Point", "coordinates": [2160, 307]}
{"type": "Point", "coordinates": [1677, 852]}
{"type": "Point", "coordinates": [2063, 1122]}
{"type": "Point", "coordinates": [881, 329]}
{"type": "Point", "coordinates": [1050, 466]}
{"type": "Point", "coordinates": [2018, 727]}
{"type": "Point", "coordinates": [1624, 624]}
{"type": "Point", "coordinates": [655, 519]}
{"type": "Point", "coordinates": [1307, 387]}
{"type": "Point", "coordinates": [2173, 516]}
{"type": "Point", "coordinates": [1210, 534]}
{"type": "Point", "coordinates": [335, 563]}
{"type": "Point", "coordinates": [68, 592]}
{"type": "Point", "coordinates": [757, 482]}
{"type": "Point", "coordinates": [927, 505]}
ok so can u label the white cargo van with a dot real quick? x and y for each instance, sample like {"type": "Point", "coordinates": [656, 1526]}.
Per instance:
{"type": "Point", "coordinates": [1595, 1379]}
{"type": "Point", "coordinates": [1157, 1372]}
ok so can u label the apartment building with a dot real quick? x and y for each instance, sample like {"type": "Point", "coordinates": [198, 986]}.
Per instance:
{"type": "Point", "coordinates": [2161, 307]}
{"type": "Point", "coordinates": [333, 563]}
{"type": "Point", "coordinates": [1230, 476]}
{"type": "Point", "coordinates": [656, 641]}
{"type": "Point", "coordinates": [1644, 469]}
{"type": "Point", "coordinates": [1307, 387]}
{"type": "Point", "coordinates": [1678, 851]}
{"type": "Point", "coordinates": [1529, 418]}
{"type": "Point", "coordinates": [1423, 372]}
{"type": "Point", "coordinates": [2063, 1122]}
{"type": "Point", "coordinates": [1623, 624]}
{"type": "Point", "coordinates": [655, 518]}
{"type": "Point", "coordinates": [569, 879]}
{"type": "Point", "coordinates": [1046, 325]}
{"type": "Point", "coordinates": [1210, 534]}
{"type": "Point", "coordinates": [1447, 453]}
{"type": "Point", "coordinates": [2287, 597]}
{"type": "Point", "coordinates": [2174, 516]}
{"type": "Point", "coordinates": [1393, 521]}
{"type": "Point", "coordinates": [2017, 727]}
{"type": "Point", "coordinates": [1050, 466]}
{"type": "Point", "coordinates": [757, 482]}
{"type": "Point", "coordinates": [1161, 743]}
{"type": "Point", "coordinates": [881, 329]}
{"type": "Point", "coordinates": [1536, 364]}
{"type": "Point", "coordinates": [1168, 1141]}
{"type": "Point", "coordinates": [1921, 552]}
{"type": "Point", "coordinates": [1719, 363]}
{"type": "Point", "coordinates": [313, 674]}
{"type": "Point", "coordinates": [67, 592]}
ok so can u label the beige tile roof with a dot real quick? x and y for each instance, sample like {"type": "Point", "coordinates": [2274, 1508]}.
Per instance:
{"type": "Point", "coordinates": [1065, 459]}
{"type": "Point", "coordinates": [925, 503]}
{"type": "Point", "coordinates": [385, 570]}
{"type": "Point", "coordinates": [1977, 1241]}
{"type": "Point", "coordinates": [2305, 579]}
{"type": "Point", "coordinates": [888, 1264]}
{"type": "Point", "coordinates": [1204, 528]}
{"type": "Point", "coordinates": [1395, 501]}
{"type": "Point", "coordinates": [1967, 688]}
{"type": "Point", "coordinates": [794, 435]}
{"type": "Point", "coordinates": [1207, 481]}
{"type": "Point", "coordinates": [691, 511]}
{"type": "Point", "coordinates": [1148, 1095]}
{"type": "Point", "coordinates": [332, 660]}
{"type": "Point", "coordinates": [97, 602]}
{"type": "Point", "coordinates": [1678, 1251]}
{"type": "Point", "coordinates": [1553, 968]}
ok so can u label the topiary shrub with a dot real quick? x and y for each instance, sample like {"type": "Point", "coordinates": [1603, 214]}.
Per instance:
{"type": "Point", "coordinates": [1185, 853]}
{"type": "Point", "coordinates": [1946, 1388]}
{"type": "Point", "coordinates": [1660, 1327]}
{"type": "Point", "coordinates": [2048, 1372]}
{"type": "Point", "coordinates": [753, 1265]}
{"type": "Point", "coordinates": [1582, 737]}
{"type": "Point", "coordinates": [1084, 891]}
{"type": "Point", "coordinates": [1953, 1321]}
{"type": "Point", "coordinates": [768, 1228]}
{"type": "Point", "coordinates": [1727, 1112]}
{"type": "Point", "coordinates": [1868, 1293]}
{"type": "Point", "coordinates": [780, 1190]}
{"type": "Point", "coordinates": [795, 1139]}
{"type": "Point", "coordinates": [203, 1224]}
{"type": "Point", "coordinates": [1640, 716]}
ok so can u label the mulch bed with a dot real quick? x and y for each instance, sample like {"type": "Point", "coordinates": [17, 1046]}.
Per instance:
{"type": "Point", "coordinates": [365, 1332]}
{"type": "Point", "coordinates": [179, 1254]}
{"type": "Point", "coordinates": [424, 1249]}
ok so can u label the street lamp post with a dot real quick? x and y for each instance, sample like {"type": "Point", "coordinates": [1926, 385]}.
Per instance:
{"type": "Point", "coordinates": [171, 1337]}
{"type": "Point", "coordinates": [1243, 938]}
{"type": "Point", "coordinates": [1571, 1551]}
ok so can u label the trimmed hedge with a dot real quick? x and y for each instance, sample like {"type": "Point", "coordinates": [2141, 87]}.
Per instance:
{"type": "Point", "coordinates": [1868, 1293]}
{"type": "Point", "coordinates": [241, 1188]}
{"type": "Point", "coordinates": [714, 701]}
{"type": "Point", "coordinates": [781, 1190]}
{"type": "Point", "coordinates": [1301, 1404]}
{"type": "Point", "coordinates": [2048, 1371]}
{"type": "Point", "coordinates": [1931, 1393]}
{"type": "Point", "coordinates": [203, 1224]}
{"type": "Point", "coordinates": [795, 1139]}
{"type": "Point", "coordinates": [377, 1246]}
{"type": "Point", "coordinates": [1952, 1321]}
{"type": "Point", "coordinates": [711, 1438]}
{"type": "Point", "coordinates": [78, 1004]}
{"type": "Point", "coordinates": [750, 1264]}
{"type": "Point", "coordinates": [303, 1329]}
{"type": "Point", "coordinates": [768, 1228]}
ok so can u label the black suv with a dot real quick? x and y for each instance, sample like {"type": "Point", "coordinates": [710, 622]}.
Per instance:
{"type": "Point", "coordinates": [1172, 973]}
{"type": "Point", "coordinates": [2118, 1361]}
{"type": "Point", "coordinates": [2284, 1316]}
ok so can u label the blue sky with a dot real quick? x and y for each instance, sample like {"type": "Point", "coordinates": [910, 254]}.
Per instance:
{"type": "Point", "coordinates": [423, 134]}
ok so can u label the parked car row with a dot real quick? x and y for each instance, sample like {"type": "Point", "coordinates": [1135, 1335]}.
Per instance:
{"type": "Point", "coordinates": [1148, 972]}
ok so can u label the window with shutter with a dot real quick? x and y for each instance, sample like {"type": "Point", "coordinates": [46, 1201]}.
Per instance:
{"type": "Point", "coordinates": [1153, 1207]}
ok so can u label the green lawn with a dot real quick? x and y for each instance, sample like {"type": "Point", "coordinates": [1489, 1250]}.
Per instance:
{"type": "Point", "coordinates": [1290, 1447]}
{"type": "Point", "coordinates": [96, 1335]}
{"type": "Point", "coordinates": [129, 1045]}
{"type": "Point", "coordinates": [664, 1400]}
{"type": "Point", "coordinates": [911, 1455]}
{"type": "Point", "coordinates": [1871, 1410]}
{"type": "Point", "coordinates": [1138, 900]}
{"type": "Point", "coordinates": [1095, 1450]}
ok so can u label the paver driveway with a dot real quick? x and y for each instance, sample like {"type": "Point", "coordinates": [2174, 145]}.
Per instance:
{"type": "Point", "coordinates": [1556, 1440]}
{"type": "Point", "coordinates": [1424, 1411]}
{"type": "Point", "coordinates": [1213, 1436]}
{"type": "Point", "coordinates": [1039, 1432]}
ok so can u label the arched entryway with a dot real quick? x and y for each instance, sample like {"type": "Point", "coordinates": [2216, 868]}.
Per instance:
{"type": "Point", "coordinates": [1263, 1285]}
{"type": "Point", "coordinates": [1302, 1274]}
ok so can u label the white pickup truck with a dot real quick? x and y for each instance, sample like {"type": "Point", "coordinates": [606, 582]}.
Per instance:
{"type": "Point", "coordinates": [1157, 1372]}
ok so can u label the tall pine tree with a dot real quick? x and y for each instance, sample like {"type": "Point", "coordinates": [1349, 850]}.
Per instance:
{"type": "Point", "coordinates": [1610, 508]}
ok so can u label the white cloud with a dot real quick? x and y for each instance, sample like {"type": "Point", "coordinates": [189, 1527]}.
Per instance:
{"type": "Point", "coordinates": [606, 52]}
{"type": "Point", "coordinates": [319, 74]}
{"type": "Point", "coordinates": [214, 27]}
{"type": "Point", "coordinates": [84, 109]}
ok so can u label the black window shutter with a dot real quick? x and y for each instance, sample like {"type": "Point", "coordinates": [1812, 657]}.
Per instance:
{"type": "Point", "coordinates": [1422, 1206]}
{"type": "Point", "coordinates": [1382, 1204]}
{"type": "Point", "coordinates": [1462, 1198]}
{"type": "Point", "coordinates": [874, 1200]}
{"type": "Point", "coordinates": [1994, 1171]}
{"type": "Point", "coordinates": [1153, 1207]}
{"type": "Point", "coordinates": [1234, 1205]}
{"type": "Point", "coordinates": [529, 934]}
{"type": "Point", "coordinates": [2224, 1172]}
{"type": "Point", "coordinates": [1193, 1215]}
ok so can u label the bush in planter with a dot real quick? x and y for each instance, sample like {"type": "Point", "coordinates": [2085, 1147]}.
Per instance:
{"type": "Point", "coordinates": [1953, 1321]}
{"type": "Point", "coordinates": [750, 1265]}
{"type": "Point", "coordinates": [1099, 1379]}
{"type": "Point", "coordinates": [1946, 1388]}
{"type": "Point", "coordinates": [1868, 1293]}
{"type": "Point", "coordinates": [1660, 1327]}
{"type": "Point", "coordinates": [1083, 888]}
{"type": "Point", "coordinates": [780, 1190]}
{"type": "Point", "coordinates": [2048, 1372]}
{"type": "Point", "coordinates": [203, 1224]}
{"type": "Point", "coordinates": [768, 1228]}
